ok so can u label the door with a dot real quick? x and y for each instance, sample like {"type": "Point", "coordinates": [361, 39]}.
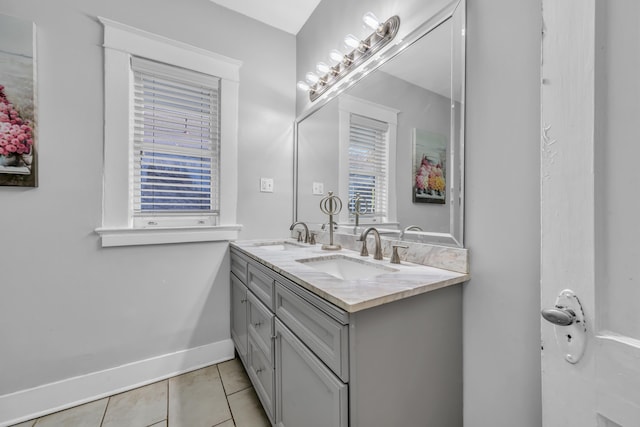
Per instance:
{"type": "Point", "coordinates": [590, 207]}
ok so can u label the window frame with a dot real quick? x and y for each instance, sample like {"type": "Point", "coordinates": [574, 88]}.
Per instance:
{"type": "Point", "coordinates": [351, 105]}
{"type": "Point", "coordinates": [120, 43]}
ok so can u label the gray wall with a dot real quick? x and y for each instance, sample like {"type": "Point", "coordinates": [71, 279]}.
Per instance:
{"type": "Point", "coordinates": [318, 158]}
{"type": "Point", "coordinates": [69, 307]}
{"type": "Point", "coordinates": [501, 338]}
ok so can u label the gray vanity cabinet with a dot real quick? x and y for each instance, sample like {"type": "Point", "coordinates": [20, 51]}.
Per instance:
{"type": "Point", "coordinates": [308, 393]}
{"type": "Point", "coordinates": [314, 364]}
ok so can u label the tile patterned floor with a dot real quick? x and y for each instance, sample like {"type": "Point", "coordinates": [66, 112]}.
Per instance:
{"type": "Point", "coordinates": [216, 396]}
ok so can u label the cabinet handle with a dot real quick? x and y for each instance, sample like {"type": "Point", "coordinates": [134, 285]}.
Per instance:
{"type": "Point", "coordinates": [259, 370]}
{"type": "Point", "coordinates": [273, 337]}
{"type": "Point", "coordinates": [257, 324]}
{"type": "Point", "coordinates": [242, 301]}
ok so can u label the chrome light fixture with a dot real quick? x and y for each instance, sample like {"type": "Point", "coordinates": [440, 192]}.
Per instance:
{"type": "Point", "coordinates": [343, 64]}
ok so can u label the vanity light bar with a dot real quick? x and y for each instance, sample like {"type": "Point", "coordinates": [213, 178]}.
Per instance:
{"type": "Point", "coordinates": [328, 76]}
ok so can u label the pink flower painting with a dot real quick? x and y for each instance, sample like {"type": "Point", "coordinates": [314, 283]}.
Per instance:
{"type": "Point", "coordinates": [429, 183]}
{"type": "Point", "coordinates": [17, 104]}
{"type": "Point", "coordinates": [16, 136]}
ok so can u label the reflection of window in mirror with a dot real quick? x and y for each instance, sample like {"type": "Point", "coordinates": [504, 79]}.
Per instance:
{"type": "Point", "coordinates": [367, 134]}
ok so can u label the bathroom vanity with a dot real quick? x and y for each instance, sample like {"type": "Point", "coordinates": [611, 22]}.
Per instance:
{"type": "Point", "coordinates": [335, 339]}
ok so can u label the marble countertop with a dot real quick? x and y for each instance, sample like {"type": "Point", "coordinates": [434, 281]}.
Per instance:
{"type": "Point", "coordinates": [396, 282]}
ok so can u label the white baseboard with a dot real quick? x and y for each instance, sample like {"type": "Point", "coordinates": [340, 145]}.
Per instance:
{"type": "Point", "coordinates": [35, 402]}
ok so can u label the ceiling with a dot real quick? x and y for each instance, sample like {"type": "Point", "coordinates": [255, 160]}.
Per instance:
{"type": "Point", "coordinates": [286, 15]}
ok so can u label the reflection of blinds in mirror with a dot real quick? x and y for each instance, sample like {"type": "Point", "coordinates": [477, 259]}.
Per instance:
{"type": "Point", "coordinates": [368, 164]}
{"type": "Point", "coordinates": [176, 140]}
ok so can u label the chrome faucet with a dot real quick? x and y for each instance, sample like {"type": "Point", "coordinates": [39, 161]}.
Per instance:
{"type": "Point", "coordinates": [306, 231]}
{"type": "Point", "coordinates": [409, 228]}
{"type": "Point", "coordinates": [363, 239]}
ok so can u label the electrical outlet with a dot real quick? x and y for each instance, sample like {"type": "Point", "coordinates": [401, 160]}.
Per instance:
{"type": "Point", "coordinates": [318, 189]}
{"type": "Point", "coordinates": [266, 185]}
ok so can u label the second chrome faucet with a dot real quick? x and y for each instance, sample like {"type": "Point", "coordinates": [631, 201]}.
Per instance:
{"type": "Point", "coordinates": [363, 238]}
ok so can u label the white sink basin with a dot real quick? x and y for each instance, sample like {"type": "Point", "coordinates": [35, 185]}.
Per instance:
{"type": "Point", "coordinates": [346, 268]}
{"type": "Point", "coordinates": [278, 246]}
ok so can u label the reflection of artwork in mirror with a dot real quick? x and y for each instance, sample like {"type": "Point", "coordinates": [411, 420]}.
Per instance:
{"type": "Point", "coordinates": [429, 167]}
{"type": "Point", "coordinates": [17, 124]}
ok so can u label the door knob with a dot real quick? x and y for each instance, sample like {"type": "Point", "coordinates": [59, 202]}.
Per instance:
{"type": "Point", "coordinates": [559, 315]}
{"type": "Point", "coordinates": [569, 325]}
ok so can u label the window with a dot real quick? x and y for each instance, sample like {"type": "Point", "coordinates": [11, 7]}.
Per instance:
{"type": "Point", "coordinates": [367, 160]}
{"type": "Point", "coordinates": [368, 166]}
{"type": "Point", "coordinates": [175, 144]}
{"type": "Point", "coordinates": [171, 116]}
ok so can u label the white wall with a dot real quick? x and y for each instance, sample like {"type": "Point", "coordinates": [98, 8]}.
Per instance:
{"type": "Point", "coordinates": [69, 307]}
{"type": "Point", "coordinates": [501, 303]}
{"type": "Point", "coordinates": [501, 337]}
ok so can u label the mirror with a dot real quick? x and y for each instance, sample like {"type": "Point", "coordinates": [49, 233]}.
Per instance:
{"type": "Point", "coordinates": [393, 136]}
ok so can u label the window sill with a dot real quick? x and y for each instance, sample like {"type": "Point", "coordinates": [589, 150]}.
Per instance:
{"type": "Point", "coordinates": [166, 235]}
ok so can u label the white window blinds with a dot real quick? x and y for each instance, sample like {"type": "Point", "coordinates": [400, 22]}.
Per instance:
{"type": "Point", "coordinates": [368, 164]}
{"type": "Point", "coordinates": [176, 142]}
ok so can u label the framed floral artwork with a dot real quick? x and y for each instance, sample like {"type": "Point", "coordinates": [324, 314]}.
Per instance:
{"type": "Point", "coordinates": [429, 167]}
{"type": "Point", "coordinates": [18, 164]}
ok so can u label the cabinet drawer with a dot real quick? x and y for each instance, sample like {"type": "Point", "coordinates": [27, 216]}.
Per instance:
{"type": "Point", "coordinates": [261, 284]}
{"type": "Point", "coordinates": [260, 325]}
{"type": "Point", "coordinates": [262, 375]}
{"type": "Point", "coordinates": [326, 337]}
{"type": "Point", "coordinates": [239, 266]}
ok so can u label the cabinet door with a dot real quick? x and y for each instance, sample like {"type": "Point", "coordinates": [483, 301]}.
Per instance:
{"type": "Point", "coordinates": [239, 316]}
{"type": "Point", "coordinates": [307, 392]}
{"type": "Point", "coordinates": [261, 373]}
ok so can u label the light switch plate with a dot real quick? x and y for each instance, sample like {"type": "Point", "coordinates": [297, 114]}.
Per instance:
{"type": "Point", "coordinates": [318, 189]}
{"type": "Point", "coordinates": [266, 185]}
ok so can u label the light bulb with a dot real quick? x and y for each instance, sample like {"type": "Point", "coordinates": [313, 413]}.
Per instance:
{"type": "Point", "coordinates": [352, 41]}
{"type": "Point", "coordinates": [323, 68]}
{"type": "Point", "coordinates": [311, 78]}
{"type": "Point", "coordinates": [336, 55]}
{"type": "Point", "coordinates": [303, 86]}
{"type": "Point", "coordinates": [371, 21]}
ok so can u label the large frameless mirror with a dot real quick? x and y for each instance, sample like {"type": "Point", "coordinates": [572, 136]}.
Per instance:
{"type": "Point", "coordinates": [390, 142]}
